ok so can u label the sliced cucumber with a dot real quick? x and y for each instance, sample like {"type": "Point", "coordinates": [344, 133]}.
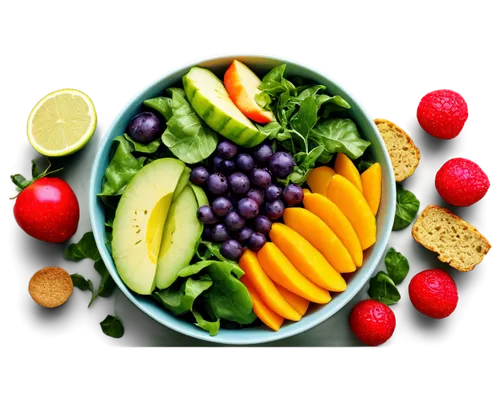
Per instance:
{"type": "Point", "coordinates": [210, 100]}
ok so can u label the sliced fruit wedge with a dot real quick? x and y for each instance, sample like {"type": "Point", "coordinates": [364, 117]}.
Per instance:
{"type": "Point", "coordinates": [299, 303]}
{"type": "Point", "coordinates": [61, 123]}
{"type": "Point", "coordinates": [243, 85]}
{"type": "Point", "coordinates": [372, 186]}
{"type": "Point", "coordinates": [319, 179]}
{"type": "Point", "coordinates": [345, 167]}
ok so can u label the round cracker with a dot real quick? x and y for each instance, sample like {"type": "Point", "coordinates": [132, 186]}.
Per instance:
{"type": "Point", "coordinates": [51, 287]}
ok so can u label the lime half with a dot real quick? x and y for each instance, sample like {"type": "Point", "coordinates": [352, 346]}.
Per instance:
{"type": "Point", "coordinates": [62, 123]}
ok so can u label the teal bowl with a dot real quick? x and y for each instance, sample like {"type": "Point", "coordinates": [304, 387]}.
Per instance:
{"type": "Point", "coordinates": [316, 314]}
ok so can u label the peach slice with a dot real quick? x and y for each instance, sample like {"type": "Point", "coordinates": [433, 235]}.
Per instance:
{"type": "Point", "coordinates": [299, 303]}
{"type": "Point", "coordinates": [354, 206]}
{"type": "Point", "coordinates": [242, 85]}
{"type": "Point", "coordinates": [319, 179]}
{"type": "Point", "coordinates": [345, 167]}
{"type": "Point", "coordinates": [372, 186]}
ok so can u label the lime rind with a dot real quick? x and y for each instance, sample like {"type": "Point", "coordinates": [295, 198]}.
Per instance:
{"type": "Point", "coordinates": [74, 147]}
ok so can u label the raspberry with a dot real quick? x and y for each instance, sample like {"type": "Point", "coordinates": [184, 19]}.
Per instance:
{"type": "Point", "coordinates": [433, 292]}
{"type": "Point", "coordinates": [372, 322]}
{"type": "Point", "coordinates": [461, 182]}
{"type": "Point", "coordinates": [442, 113]}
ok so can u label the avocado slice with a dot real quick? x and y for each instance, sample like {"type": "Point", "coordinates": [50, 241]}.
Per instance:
{"type": "Point", "coordinates": [139, 222]}
{"type": "Point", "coordinates": [181, 233]}
{"type": "Point", "coordinates": [210, 100]}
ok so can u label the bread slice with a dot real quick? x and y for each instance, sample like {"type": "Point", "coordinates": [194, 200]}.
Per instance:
{"type": "Point", "coordinates": [51, 287]}
{"type": "Point", "coordinates": [405, 156]}
{"type": "Point", "coordinates": [456, 241]}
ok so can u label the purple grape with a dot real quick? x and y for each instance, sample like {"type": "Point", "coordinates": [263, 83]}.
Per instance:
{"type": "Point", "coordinates": [199, 175]}
{"type": "Point", "coordinates": [239, 183]}
{"type": "Point", "coordinates": [227, 167]}
{"type": "Point", "coordinates": [262, 224]}
{"type": "Point", "coordinates": [256, 195]}
{"type": "Point", "coordinates": [243, 234]}
{"type": "Point", "coordinates": [226, 149]}
{"type": "Point", "coordinates": [244, 162]}
{"type": "Point", "coordinates": [145, 127]}
{"type": "Point", "coordinates": [293, 194]}
{"type": "Point", "coordinates": [256, 241]}
{"type": "Point", "coordinates": [274, 209]}
{"type": "Point", "coordinates": [221, 206]}
{"type": "Point", "coordinates": [262, 154]}
{"type": "Point", "coordinates": [248, 208]}
{"type": "Point", "coordinates": [216, 162]}
{"type": "Point", "coordinates": [260, 177]}
{"type": "Point", "coordinates": [206, 215]}
{"type": "Point", "coordinates": [281, 164]}
{"type": "Point", "coordinates": [272, 192]}
{"type": "Point", "coordinates": [219, 233]}
{"type": "Point", "coordinates": [217, 183]}
{"type": "Point", "coordinates": [207, 232]}
{"type": "Point", "coordinates": [231, 249]}
{"type": "Point", "coordinates": [234, 221]}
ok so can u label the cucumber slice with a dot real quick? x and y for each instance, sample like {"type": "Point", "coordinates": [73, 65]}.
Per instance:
{"type": "Point", "coordinates": [210, 100]}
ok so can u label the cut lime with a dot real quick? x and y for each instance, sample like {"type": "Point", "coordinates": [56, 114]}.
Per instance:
{"type": "Point", "coordinates": [62, 123]}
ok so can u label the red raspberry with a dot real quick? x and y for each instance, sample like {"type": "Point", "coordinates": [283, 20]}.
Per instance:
{"type": "Point", "coordinates": [372, 322]}
{"type": "Point", "coordinates": [461, 182]}
{"type": "Point", "coordinates": [433, 292]}
{"type": "Point", "coordinates": [442, 113]}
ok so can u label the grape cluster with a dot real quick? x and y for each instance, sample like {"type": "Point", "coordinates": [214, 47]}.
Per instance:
{"type": "Point", "coordinates": [245, 195]}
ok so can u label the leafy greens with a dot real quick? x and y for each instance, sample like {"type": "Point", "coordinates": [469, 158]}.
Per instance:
{"type": "Point", "coordinates": [303, 124]}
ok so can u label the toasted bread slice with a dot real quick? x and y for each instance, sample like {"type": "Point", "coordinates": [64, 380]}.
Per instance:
{"type": "Point", "coordinates": [455, 241]}
{"type": "Point", "coordinates": [405, 156]}
{"type": "Point", "coordinates": [50, 287]}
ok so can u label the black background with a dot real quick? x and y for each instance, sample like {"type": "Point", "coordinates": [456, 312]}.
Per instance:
{"type": "Point", "coordinates": [390, 83]}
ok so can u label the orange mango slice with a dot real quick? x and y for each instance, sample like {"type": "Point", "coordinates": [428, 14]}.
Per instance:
{"type": "Point", "coordinates": [345, 167]}
{"type": "Point", "coordinates": [281, 270]}
{"type": "Point", "coordinates": [354, 206]}
{"type": "Point", "coordinates": [331, 215]}
{"type": "Point", "coordinates": [319, 179]}
{"type": "Point", "coordinates": [316, 232]}
{"type": "Point", "coordinates": [265, 287]}
{"type": "Point", "coordinates": [265, 314]}
{"type": "Point", "coordinates": [299, 303]}
{"type": "Point", "coordinates": [372, 186]}
{"type": "Point", "coordinates": [309, 261]}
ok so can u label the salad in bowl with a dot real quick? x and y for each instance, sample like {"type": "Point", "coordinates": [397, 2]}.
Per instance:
{"type": "Point", "coordinates": [242, 199]}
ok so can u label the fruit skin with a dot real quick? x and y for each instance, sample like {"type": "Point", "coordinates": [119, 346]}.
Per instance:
{"type": "Point", "coordinates": [433, 293]}
{"type": "Point", "coordinates": [442, 113]}
{"type": "Point", "coordinates": [242, 85]}
{"type": "Point", "coordinates": [48, 210]}
{"type": "Point", "coordinates": [461, 182]}
{"type": "Point", "coordinates": [372, 322]}
{"type": "Point", "coordinates": [210, 100]}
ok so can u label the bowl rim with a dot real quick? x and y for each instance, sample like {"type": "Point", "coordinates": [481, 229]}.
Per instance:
{"type": "Point", "coordinates": [305, 324]}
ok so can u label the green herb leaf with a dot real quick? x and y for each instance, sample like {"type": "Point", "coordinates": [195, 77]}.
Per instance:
{"type": "Point", "coordinates": [307, 116]}
{"type": "Point", "coordinates": [121, 169]}
{"type": "Point", "coordinates": [263, 100]}
{"type": "Point", "coordinates": [339, 135]}
{"type": "Point", "coordinates": [310, 91]}
{"type": "Point", "coordinates": [81, 283]}
{"type": "Point", "coordinates": [271, 129]}
{"type": "Point", "coordinates": [187, 136]}
{"type": "Point", "coordinates": [397, 266]}
{"type": "Point", "coordinates": [228, 298]}
{"type": "Point", "coordinates": [383, 289]}
{"type": "Point", "coordinates": [85, 248]}
{"type": "Point", "coordinates": [112, 326]}
{"type": "Point", "coordinates": [107, 285]}
{"type": "Point", "coordinates": [161, 104]}
{"type": "Point", "coordinates": [143, 148]}
{"type": "Point", "coordinates": [212, 327]}
{"type": "Point", "coordinates": [337, 101]}
{"type": "Point", "coordinates": [180, 299]}
{"type": "Point", "coordinates": [407, 206]}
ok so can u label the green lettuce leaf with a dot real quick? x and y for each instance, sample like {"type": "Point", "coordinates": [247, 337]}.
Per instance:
{"type": "Point", "coordinates": [85, 248]}
{"type": "Point", "coordinates": [161, 104]}
{"type": "Point", "coordinates": [143, 148]}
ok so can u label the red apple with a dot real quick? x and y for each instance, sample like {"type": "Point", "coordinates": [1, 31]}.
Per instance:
{"type": "Point", "coordinates": [242, 85]}
{"type": "Point", "coordinates": [48, 210]}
